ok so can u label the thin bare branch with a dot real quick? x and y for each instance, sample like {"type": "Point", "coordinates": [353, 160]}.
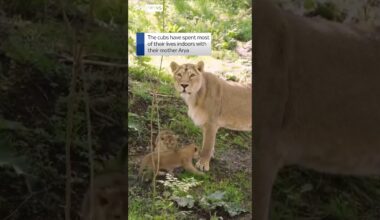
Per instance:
{"type": "Point", "coordinates": [94, 62]}
{"type": "Point", "coordinates": [23, 203]}
{"type": "Point", "coordinates": [77, 51]}
{"type": "Point", "coordinates": [86, 98]}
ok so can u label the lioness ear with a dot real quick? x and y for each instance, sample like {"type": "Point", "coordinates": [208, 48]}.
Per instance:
{"type": "Point", "coordinates": [200, 66]}
{"type": "Point", "coordinates": [174, 66]}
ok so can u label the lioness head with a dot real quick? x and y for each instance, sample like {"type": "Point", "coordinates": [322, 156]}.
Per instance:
{"type": "Point", "coordinates": [187, 77]}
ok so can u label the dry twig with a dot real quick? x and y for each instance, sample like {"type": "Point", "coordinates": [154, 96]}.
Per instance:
{"type": "Point", "coordinates": [65, 58]}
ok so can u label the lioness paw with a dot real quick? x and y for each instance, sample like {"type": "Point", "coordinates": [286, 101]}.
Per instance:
{"type": "Point", "coordinates": [203, 164]}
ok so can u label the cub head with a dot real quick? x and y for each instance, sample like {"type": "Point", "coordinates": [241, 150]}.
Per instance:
{"type": "Point", "coordinates": [187, 77]}
{"type": "Point", "coordinates": [166, 138]}
{"type": "Point", "coordinates": [193, 149]}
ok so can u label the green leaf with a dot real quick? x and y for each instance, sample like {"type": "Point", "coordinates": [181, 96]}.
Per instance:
{"type": "Point", "coordinates": [309, 5]}
{"type": "Point", "coordinates": [185, 201]}
{"type": "Point", "coordinates": [8, 157]}
{"type": "Point", "coordinates": [134, 122]}
{"type": "Point", "coordinates": [233, 209]}
{"type": "Point", "coordinates": [306, 188]}
{"type": "Point", "coordinates": [204, 204]}
{"type": "Point", "coordinates": [218, 195]}
{"type": "Point", "coordinates": [11, 125]}
{"type": "Point", "coordinates": [166, 194]}
{"type": "Point", "coordinates": [215, 200]}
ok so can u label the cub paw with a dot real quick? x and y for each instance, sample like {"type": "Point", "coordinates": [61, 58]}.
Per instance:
{"type": "Point", "coordinates": [203, 164]}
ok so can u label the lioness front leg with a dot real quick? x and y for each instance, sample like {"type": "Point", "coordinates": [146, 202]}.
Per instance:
{"type": "Point", "coordinates": [209, 135]}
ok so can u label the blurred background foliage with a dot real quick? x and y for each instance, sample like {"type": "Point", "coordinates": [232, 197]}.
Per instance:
{"type": "Point", "coordinates": [347, 11]}
{"type": "Point", "coordinates": [35, 71]}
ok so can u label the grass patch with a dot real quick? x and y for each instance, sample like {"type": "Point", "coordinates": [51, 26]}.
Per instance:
{"type": "Point", "coordinates": [333, 197]}
{"type": "Point", "coordinates": [340, 209]}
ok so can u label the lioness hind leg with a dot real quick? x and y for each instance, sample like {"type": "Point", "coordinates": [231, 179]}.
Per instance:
{"type": "Point", "coordinates": [209, 135]}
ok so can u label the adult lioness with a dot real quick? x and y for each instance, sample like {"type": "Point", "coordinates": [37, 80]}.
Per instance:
{"type": "Point", "coordinates": [316, 101]}
{"type": "Point", "coordinates": [212, 103]}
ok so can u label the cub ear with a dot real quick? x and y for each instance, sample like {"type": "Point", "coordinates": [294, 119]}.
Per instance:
{"type": "Point", "coordinates": [200, 66]}
{"type": "Point", "coordinates": [195, 149]}
{"type": "Point", "coordinates": [174, 66]}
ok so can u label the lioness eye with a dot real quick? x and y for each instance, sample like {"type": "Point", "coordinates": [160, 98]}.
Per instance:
{"type": "Point", "coordinates": [179, 75]}
{"type": "Point", "coordinates": [192, 75]}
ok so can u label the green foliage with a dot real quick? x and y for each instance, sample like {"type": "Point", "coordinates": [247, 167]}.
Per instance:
{"type": "Point", "coordinates": [9, 157]}
{"type": "Point", "coordinates": [231, 189]}
{"type": "Point", "coordinates": [244, 30]}
{"type": "Point", "coordinates": [232, 78]}
{"type": "Point", "coordinates": [337, 198]}
{"type": "Point", "coordinates": [135, 208]}
{"type": "Point", "coordinates": [183, 124]}
{"type": "Point", "coordinates": [309, 5]}
{"type": "Point", "coordinates": [174, 28]}
{"type": "Point", "coordinates": [8, 153]}
{"type": "Point", "coordinates": [111, 11]}
{"type": "Point", "coordinates": [227, 21]}
{"type": "Point", "coordinates": [179, 192]}
{"type": "Point", "coordinates": [138, 209]}
{"type": "Point", "coordinates": [179, 187]}
{"type": "Point", "coordinates": [326, 10]}
{"type": "Point", "coordinates": [134, 122]}
{"type": "Point", "coordinates": [340, 209]}
{"type": "Point", "coordinates": [186, 201]}
{"type": "Point", "coordinates": [106, 42]}
{"type": "Point", "coordinates": [11, 125]}
{"type": "Point", "coordinates": [33, 101]}
{"type": "Point", "coordinates": [35, 44]}
{"type": "Point", "coordinates": [225, 54]}
{"type": "Point", "coordinates": [162, 208]}
{"type": "Point", "coordinates": [26, 9]}
{"type": "Point", "coordinates": [147, 73]}
{"type": "Point", "coordinates": [217, 200]}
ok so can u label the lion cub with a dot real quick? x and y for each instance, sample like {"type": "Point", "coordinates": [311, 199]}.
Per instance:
{"type": "Point", "coordinates": [169, 160]}
{"type": "Point", "coordinates": [110, 198]}
{"type": "Point", "coordinates": [166, 140]}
